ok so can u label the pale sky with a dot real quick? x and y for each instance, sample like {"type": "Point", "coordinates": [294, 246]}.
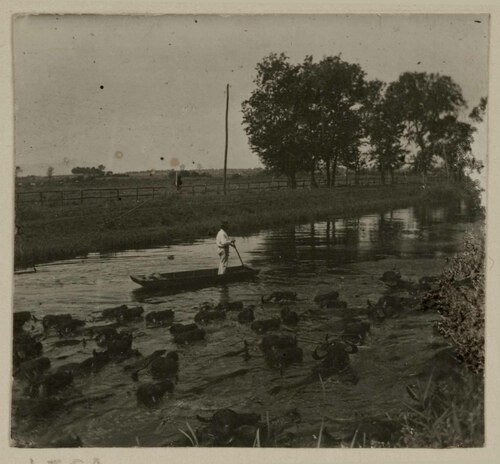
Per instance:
{"type": "Point", "coordinates": [163, 79]}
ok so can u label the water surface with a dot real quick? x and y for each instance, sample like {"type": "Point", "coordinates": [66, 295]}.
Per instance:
{"type": "Point", "coordinates": [345, 254]}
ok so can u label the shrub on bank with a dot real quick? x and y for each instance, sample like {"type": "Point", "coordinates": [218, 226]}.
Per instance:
{"type": "Point", "coordinates": [450, 412]}
{"type": "Point", "coordinates": [460, 301]}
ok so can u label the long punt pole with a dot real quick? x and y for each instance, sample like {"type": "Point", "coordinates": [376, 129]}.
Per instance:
{"type": "Point", "coordinates": [225, 149]}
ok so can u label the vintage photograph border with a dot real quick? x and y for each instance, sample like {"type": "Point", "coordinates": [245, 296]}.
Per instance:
{"type": "Point", "coordinates": [491, 451]}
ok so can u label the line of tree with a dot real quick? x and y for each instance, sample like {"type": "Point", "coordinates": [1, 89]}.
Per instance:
{"type": "Point", "coordinates": [98, 171]}
{"type": "Point", "coordinates": [320, 116]}
{"type": "Point", "coordinates": [187, 173]}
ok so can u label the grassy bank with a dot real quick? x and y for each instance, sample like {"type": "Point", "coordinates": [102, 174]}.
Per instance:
{"type": "Point", "coordinates": [52, 233]}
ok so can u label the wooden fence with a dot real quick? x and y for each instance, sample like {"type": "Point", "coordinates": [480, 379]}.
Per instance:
{"type": "Point", "coordinates": [75, 197]}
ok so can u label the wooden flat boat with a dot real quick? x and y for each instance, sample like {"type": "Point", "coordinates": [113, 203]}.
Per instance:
{"type": "Point", "coordinates": [179, 281]}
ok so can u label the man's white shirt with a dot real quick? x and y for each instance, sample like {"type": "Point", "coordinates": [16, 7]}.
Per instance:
{"type": "Point", "coordinates": [222, 239]}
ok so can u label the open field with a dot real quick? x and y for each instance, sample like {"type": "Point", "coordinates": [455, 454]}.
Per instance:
{"type": "Point", "coordinates": [48, 234]}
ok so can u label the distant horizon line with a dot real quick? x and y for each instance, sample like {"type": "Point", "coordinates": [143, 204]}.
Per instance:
{"type": "Point", "coordinates": [152, 172]}
{"type": "Point", "coordinates": [148, 171]}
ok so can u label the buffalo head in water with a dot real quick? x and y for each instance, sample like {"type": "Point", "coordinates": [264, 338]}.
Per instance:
{"type": "Point", "coordinates": [334, 354]}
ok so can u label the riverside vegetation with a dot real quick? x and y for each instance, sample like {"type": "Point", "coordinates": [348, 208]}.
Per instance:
{"type": "Point", "coordinates": [48, 234]}
{"type": "Point", "coordinates": [449, 409]}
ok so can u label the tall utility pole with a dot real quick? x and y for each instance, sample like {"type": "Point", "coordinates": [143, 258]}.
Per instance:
{"type": "Point", "coordinates": [225, 150]}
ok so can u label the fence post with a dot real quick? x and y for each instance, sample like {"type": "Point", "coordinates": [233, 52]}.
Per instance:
{"type": "Point", "coordinates": [41, 198]}
{"type": "Point", "coordinates": [81, 196]}
{"type": "Point", "coordinates": [137, 194]}
{"type": "Point", "coordinates": [62, 197]}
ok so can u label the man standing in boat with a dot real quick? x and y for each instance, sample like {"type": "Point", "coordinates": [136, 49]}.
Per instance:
{"type": "Point", "coordinates": [223, 243]}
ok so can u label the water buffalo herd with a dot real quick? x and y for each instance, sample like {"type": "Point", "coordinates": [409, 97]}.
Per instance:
{"type": "Point", "coordinates": [47, 390]}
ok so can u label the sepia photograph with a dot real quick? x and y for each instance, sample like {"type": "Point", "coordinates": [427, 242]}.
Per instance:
{"type": "Point", "coordinates": [250, 231]}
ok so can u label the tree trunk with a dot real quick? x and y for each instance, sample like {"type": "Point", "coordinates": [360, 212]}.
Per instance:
{"type": "Point", "coordinates": [423, 155]}
{"type": "Point", "coordinates": [291, 173]}
{"type": "Point", "coordinates": [391, 172]}
{"type": "Point", "coordinates": [314, 184]}
{"type": "Point", "coordinates": [461, 175]}
{"type": "Point", "coordinates": [356, 176]}
{"type": "Point", "coordinates": [328, 174]}
{"type": "Point", "coordinates": [382, 173]}
{"type": "Point", "coordinates": [447, 168]}
{"type": "Point", "coordinates": [292, 179]}
{"type": "Point", "coordinates": [334, 171]}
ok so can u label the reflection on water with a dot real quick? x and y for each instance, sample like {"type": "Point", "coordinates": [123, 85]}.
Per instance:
{"type": "Point", "coordinates": [347, 254]}
{"type": "Point", "coordinates": [405, 232]}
